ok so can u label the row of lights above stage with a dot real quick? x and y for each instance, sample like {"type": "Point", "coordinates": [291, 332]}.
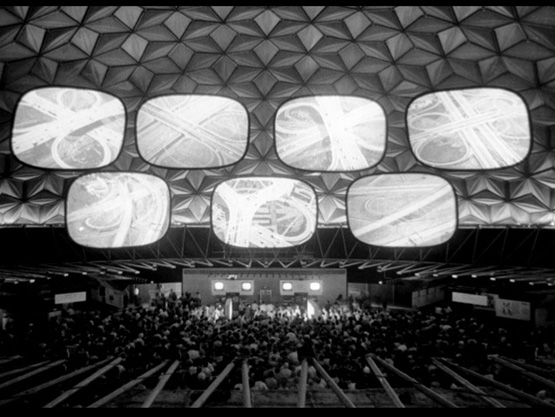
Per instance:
{"type": "Point", "coordinates": [246, 287]}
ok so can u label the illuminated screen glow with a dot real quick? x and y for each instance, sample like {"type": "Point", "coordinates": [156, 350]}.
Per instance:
{"type": "Point", "coordinates": [314, 286]}
{"type": "Point", "coordinates": [218, 286]}
{"type": "Point", "coordinates": [310, 310]}
{"type": "Point", "coordinates": [192, 131]}
{"type": "Point", "coordinates": [330, 133]}
{"type": "Point", "coordinates": [117, 209]}
{"type": "Point", "coordinates": [402, 210]}
{"type": "Point", "coordinates": [68, 128]}
{"type": "Point", "coordinates": [479, 128]}
{"type": "Point", "coordinates": [246, 286]}
{"type": "Point", "coordinates": [287, 286]}
{"type": "Point", "coordinates": [259, 212]}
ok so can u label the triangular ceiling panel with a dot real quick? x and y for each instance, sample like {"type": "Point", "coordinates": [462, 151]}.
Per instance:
{"type": "Point", "coordinates": [542, 161]}
{"type": "Point", "coordinates": [530, 204]}
{"type": "Point", "coordinates": [474, 214]}
{"type": "Point", "coordinates": [485, 198]}
{"type": "Point", "coordinates": [480, 183]}
{"type": "Point", "coordinates": [509, 213]}
{"type": "Point", "coordinates": [533, 188]}
{"type": "Point", "coordinates": [331, 210]}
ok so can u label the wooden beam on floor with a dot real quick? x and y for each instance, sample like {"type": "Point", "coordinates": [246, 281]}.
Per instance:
{"type": "Point", "coordinates": [215, 384]}
{"type": "Point", "coordinates": [418, 385]}
{"type": "Point", "coordinates": [465, 383]}
{"type": "Point", "coordinates": [385, 384]}
{"type": "Point", "coordinates": [530, 367]}
{"type": "Point", "coordinates": [51, 383]}
{"type": "Point", "coordinates": [64, 396]}
{"type": "Point", "coordinates": [333, 385]}
{"type": "Point", "coordinates": [10, 359]}
{"type": "Point", "coordinates": [161, 384]}
{"type": "Point", "coordinates": [20, 378]}
{"type": "Point", "coordinates": [21, 370]}
{"type": "Point", "coordinates": [127, 386]}
{"type": "Point", "coordinates": [528, 398]}
{"type": "Point", "coordinates": [301, 402]}
{"type": "Point", "coordinates": [247, 402]}
{"type": "Point", "coordinates": [530, 375]}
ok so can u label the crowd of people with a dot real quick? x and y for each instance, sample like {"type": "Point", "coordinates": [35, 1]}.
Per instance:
{"type": "Point", "coordinates": [274, 340]}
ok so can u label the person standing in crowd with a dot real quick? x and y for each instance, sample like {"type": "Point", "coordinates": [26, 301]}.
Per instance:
{"type": "Point", "coordinates": [276, 339]}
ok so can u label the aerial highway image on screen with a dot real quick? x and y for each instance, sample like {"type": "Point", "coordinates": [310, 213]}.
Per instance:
{"type": "Point", "coordinates": [330, 133]}
{"type": "Point", "coordinates": [259, 212]}
{"type": "Point", "coordinates": [68, 128]}
{"type": "Point", "coordinates": [192, 131]}
{"type": "Point", "coordinates": [117, 209]}
{"type": "Point", "coordinates": [476, 128]}
{"type": "Point", "coordinates": [402, 210]}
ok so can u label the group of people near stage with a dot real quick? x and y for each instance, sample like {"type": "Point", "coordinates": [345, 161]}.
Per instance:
{"type": "Point", "coordinates": [274, 340]}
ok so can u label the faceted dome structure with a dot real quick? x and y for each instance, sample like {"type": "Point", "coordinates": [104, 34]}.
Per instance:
{"type": "Point", "coordinates": [262, 57]}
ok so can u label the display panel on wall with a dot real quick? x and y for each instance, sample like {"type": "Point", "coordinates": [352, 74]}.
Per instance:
{"type": "Point", "coordinates": [117, 209]}
{"type": "Point", "coordinates": [68, 128]}
{"type": "Point", "coordinates": [264, 212]}
{"type": "Point", "coordinates": [469, 129]}
{"type": "Point", "coordinates": [192, 131]}
{"type": "Point", "coordinates": [330, 133]}
{"type": "Point", "coordinates": [402, 210]}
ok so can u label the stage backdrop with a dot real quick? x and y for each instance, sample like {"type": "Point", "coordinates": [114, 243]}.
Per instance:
{"type": "Point", "coordinates": [266, 282]}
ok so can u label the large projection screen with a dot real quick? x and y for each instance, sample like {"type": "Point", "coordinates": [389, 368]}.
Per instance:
{"type": "Point", "coordinates": [264, 212]}
{"type": "Point", "coordinates": [469, 129]}
{"type": "Point", "coordinates": [192, 131]}
{"type": "Point", "coordinates": [117, 209]}
{"type": "Point", "coordinates": [65, 128]}
{"type": "Point", "coordinates": [402, 210]}
{"type": "Point", "coordinates": [330, 133]}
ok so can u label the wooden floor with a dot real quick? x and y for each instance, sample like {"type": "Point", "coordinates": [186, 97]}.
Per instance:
{"type": "Point", "coordinates": [370, 398]}
{"type": "Point", "coordinates": [51, 384]}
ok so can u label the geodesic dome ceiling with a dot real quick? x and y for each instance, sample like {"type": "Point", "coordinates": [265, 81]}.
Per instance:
{"type": "Point", "coordinates": [264, 56]}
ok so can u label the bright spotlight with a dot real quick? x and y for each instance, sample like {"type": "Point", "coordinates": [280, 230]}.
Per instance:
{"type": "Point", "coordinates": [218, 286]}
{"type": "Point", "coordinates": [287, 286]}
{"type": "Point", "coordinates": [246, 286]}
{"type": "Point", "coordinates": [314, 286]}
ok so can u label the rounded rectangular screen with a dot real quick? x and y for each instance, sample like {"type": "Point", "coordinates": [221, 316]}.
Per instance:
{"type": "Point", "coordinates": [64, 128]}
{"type": "Point", "coordinates": [469, 129]}
{"type": "Point", "coordinates": [192, 131]}
{"type": "Point", "coordinates": [264, 212]}
{"type": "Point", "coordinates": [330, 133]}
{"type": "Point", "coordinates": [402, 210]}
{"type": "Point", "coordinates": [117, 209]}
